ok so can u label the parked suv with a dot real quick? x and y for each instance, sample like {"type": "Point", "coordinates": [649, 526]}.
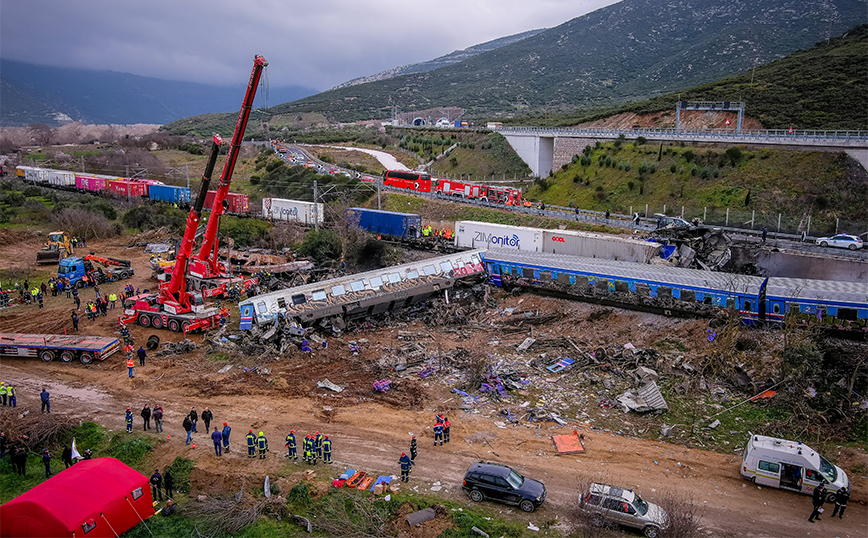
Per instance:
{"type": "Point", "coordinates": [604, 503]}
{"type": "Point", "coordinates": [498, 482]}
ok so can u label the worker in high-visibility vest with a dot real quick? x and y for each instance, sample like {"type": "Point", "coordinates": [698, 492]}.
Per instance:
{"type": "Point", "coordinates": [113, 298]}
{"type": "Point", "coordinates": [291, 445]}
{"type": "Point", "coordinates": [130, 364]}
{"type": "Point", "coordinates": [262, 442]}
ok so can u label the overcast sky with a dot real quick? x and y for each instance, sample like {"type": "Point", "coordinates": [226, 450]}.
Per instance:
{"type": "Point", "coordinates": [312, 43]}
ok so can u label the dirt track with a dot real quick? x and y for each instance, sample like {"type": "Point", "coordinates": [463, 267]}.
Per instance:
{"type": "Point", "coordinates": [371, 434]}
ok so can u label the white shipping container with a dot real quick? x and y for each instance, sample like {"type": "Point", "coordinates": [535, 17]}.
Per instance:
{"type": "Point", "coordinates": [593, 245]}
{"type": "Point", "coordinates": [473, 234]}
{"type": "Point", "coordinates": [35, 175]}
{"type": "Point", "coordinates": [60, 178]}
{"type": "Point", "coordinates": [291, 210]}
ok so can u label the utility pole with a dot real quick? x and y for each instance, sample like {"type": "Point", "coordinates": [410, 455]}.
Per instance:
{"type": "Point", "coordinates": [315, 208]}
{"type": "Point", "coordinates": [127, 178]}
{"type": "Point", "coordinates": [187, 172]}
{"type": "Point", "coordinates": [379, 205]}
{"type": "Point", "coordinates": [82, 164]}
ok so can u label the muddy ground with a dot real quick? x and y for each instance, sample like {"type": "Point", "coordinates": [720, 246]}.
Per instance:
{"type": "Point", "coordinates": [369, 431]}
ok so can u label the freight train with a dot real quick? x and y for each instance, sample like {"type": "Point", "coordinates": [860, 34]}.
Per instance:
{"type": "Point", "coordinates": [156, 191]}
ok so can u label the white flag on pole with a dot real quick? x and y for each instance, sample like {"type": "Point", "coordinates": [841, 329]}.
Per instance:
{"type": "Point", "coordinates": [75, 454]}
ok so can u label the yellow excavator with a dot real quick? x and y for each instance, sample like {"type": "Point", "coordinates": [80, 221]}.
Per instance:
{"type": "Point", "coordinates": [55, 249]}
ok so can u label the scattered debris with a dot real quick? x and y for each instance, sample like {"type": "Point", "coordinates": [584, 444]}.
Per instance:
{"type": "Point", "coordinates": [646, 398]}
{"type": "Point", "coordinates": [326, 384]}
{"type": "Point", "coordinates": [383, 385]}
{"type": "Point", "coordinates": [569, 444]}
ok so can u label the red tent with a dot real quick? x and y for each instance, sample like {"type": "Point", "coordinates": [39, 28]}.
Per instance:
{"type": "Point", "coordinates": [100, 498]}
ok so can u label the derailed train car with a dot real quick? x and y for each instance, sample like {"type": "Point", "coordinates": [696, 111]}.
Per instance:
{"type": "Point", "coordinates": [363, 294]}
{"type": "Point", "coordinates": [674, 290]}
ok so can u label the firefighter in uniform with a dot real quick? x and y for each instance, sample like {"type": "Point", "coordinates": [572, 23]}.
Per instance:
{"type": "Point", "coordinates": [318, 444]}
{"type": "Point", "coordinates": [406, 464]}
{"type": "Point", "coordinates": [313, 450]}
{"type": "Point", "coordinates": [290, 444]}
{"type": "Point", "coordinates": [438, 433]}
{"type": "Point", "coordinates": [251, 444]}
{"type": "Point", "coordinates": [262, 442]}
{"type": "Point", "coordinates": [413, 451]}
{"type": "Point", "coordinates": [326, 450]}
{"type": "Point", "coordinates": [129, 420]}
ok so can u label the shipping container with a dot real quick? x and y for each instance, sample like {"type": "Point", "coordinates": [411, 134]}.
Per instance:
{"type": "Point", "coordinates": [90, 183]}
{"type": "Point", "coordinates": [391, 223]}
{"type": "Point", "coordinates": [291, 210]}
{"type": "Point", "coordinates": [169, 194]}
{"type": "Point", "coordinates": [593, 245]}
{"type": "Point", "coordinates": [147, 184]}
{"type": "Point", "coordinates": [126, 187]}
{"type": "Point", "coordinates": [33, 174]}
{"type": "Point", "coordinates": [472, 234]}
{"type": "Point", "coordinates": [60, 178]}
{"type": "Point", "coordinates": [235, 202]}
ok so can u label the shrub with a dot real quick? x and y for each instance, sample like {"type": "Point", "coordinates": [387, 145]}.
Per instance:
{"type": "Point", "coordinates": [321, 245]}
{"type": "Point", "coordinates": [733, 154]}
{"type": "Point", "coordinates": [688, 155]}
{"type": "Point", "coordinates": [180, 469]}
{"type": "Point", "coordinates": [640, 140]}
{"type": "Point", "coordinates": [131, 451]}
{"type": "Point", "coordinates": [630, 185]}
{"type": "Point", "coordinates": [148, 217]}
{"type": "Point", "coordinates": [672, 168]}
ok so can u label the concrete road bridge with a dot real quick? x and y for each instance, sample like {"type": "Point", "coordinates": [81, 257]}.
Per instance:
{"type": "Point", "coordinates": [536, 145]}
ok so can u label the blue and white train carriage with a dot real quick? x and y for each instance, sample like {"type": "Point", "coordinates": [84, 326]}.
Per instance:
{"type": "Point", "coordinates": [842, 305]}
{"type": "Point", "coordinates": [363, 294]}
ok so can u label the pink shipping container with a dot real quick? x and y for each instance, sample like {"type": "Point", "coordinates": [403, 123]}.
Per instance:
{"type": "Point", "coordinates": [126, 187]}
{"type": "Point", "coordinates": [238, 203]}
{"type": "Point", "coordinates": [88, 183]}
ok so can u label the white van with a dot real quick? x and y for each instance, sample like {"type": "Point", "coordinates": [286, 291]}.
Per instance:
{"type": "Point", "coordinates": [790, 465]}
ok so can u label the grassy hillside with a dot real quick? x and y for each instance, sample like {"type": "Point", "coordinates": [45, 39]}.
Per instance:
{"type": "Point", "coordinates": [618, 176]}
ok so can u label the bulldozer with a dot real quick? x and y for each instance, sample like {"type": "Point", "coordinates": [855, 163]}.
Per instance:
{"type": "Point", "coordinates": [55, 249]}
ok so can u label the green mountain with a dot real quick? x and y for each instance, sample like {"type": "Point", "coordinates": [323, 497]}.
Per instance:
{"type": "Point", "coordinates": [824, 87]}
{"type": "Point", "coordinates": [631, 50]}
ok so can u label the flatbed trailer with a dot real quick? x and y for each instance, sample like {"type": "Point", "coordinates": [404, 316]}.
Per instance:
{"type": "Point", "coordinates": [65, 347]}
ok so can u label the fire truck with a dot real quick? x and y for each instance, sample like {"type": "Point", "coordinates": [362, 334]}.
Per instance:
{"type": "Point", "coordinates": [474, 191]}
{"type": "Point", "coordinates": [179, 306]}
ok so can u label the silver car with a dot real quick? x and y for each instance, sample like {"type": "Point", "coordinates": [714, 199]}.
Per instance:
{"type": "Point", "coordinates": [610, 504]}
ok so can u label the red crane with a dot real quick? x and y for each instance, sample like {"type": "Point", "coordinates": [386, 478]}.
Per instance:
{"type": "Point", "coordinates": [175, 306]}
{"type": "Point", "coordinates": [206, 265]}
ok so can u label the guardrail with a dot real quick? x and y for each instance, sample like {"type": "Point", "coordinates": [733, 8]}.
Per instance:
{"type": "Point", "coordinates": [767, 135]}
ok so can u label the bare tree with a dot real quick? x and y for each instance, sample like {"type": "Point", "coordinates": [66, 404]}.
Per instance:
{"type": "Point", "coordinates": [684, 515]}
{"type": "Point", "coordinates": [40, 133]}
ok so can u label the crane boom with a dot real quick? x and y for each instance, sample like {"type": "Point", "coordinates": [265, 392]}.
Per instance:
{"type": "Point", "coordinates": [175, 289]}
{"type": "Point", "coordinates": [208, 252]}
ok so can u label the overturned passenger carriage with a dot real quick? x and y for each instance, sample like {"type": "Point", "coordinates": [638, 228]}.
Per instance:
{"type": "Point", "coordinates": [363, 294]}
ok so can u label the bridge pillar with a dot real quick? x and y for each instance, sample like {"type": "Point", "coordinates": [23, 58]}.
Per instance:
{"type": "Point", "coordinates": [537, 151]}
{"type": "Point", "coordinates": [860, 155]}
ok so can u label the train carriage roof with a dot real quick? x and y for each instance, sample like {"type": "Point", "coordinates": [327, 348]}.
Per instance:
{"type": "Point", "coordinates": [348, 279]}
{"type": "Point", "coordinates": [819, 290]}
{"type": "Point", "coordinates": [613, 269]}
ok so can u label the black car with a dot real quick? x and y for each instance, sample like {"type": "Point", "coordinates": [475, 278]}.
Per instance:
{"type": "Point", "coordinates": [498, 482]}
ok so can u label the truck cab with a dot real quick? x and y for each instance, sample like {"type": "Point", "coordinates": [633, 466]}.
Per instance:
{"type": "Point", "coordinates": [74, 268]}
{"type": "Point", "coordinates": [790, 465]}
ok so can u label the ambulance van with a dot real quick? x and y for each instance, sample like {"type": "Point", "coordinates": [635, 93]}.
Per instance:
{"type": "Point", "coordinates": [790, 465]}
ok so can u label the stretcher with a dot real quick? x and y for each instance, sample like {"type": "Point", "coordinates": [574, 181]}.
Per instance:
{"type": "Point", "coordinates": [356, 479]}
